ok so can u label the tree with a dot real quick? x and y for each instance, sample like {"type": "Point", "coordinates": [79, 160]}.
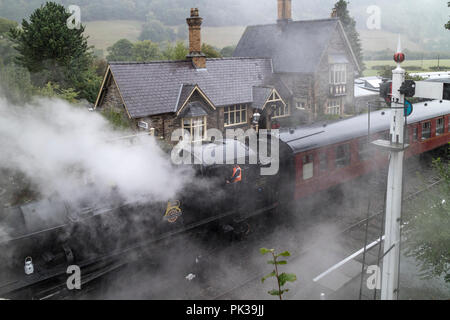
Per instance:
{"type": "Point", "coordinates": [227, 51]}
{"type": "Point", "coordinates": [15, 83]}
{"type": "Point", "coordinates": [427, 231]}
{"type": "Point", "coordinates": [349, 25]}
{"type": "Point", "coordinates": [6, 25]}
{"type": "Point", "coordinates": [447, 26]}
{"type": "Point", "coordinates": [49, 49]}
{"type": "Point", "coordinates": [210, 51]}
{"type": "Point", "coordinates": [146, 51]}
{"type": "Point", "coordinates": [179, 52]}
{"type": "Point", "coordinates": [122, 50]}
{"type": "Point", "coordinates": [155, 31]}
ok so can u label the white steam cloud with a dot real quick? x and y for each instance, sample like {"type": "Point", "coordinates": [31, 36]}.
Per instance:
{"type": "Point", "coordinates": [70, 152]}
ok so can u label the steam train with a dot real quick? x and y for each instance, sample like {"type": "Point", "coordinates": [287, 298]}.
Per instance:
{"type": "Point", "coordinates": [53, 234]}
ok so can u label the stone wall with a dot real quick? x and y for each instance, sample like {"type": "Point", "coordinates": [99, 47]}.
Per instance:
{"type": "Point", "coordinates": [313, 89]}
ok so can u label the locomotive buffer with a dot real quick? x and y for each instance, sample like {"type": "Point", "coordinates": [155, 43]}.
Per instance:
{"type": "Point", "coordinates": [396, 145]}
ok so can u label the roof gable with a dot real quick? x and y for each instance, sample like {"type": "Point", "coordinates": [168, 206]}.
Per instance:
{"type": "Point", "coordinates": [186, 93]}
{"type": "Point", "coordinates": [297, 46]}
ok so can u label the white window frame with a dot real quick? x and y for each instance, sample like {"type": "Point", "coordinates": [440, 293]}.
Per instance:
{"type": "Point", "coordinates": [194, 123]}
{"type": "Point", "coordinates": [338, 74]}
{"type": "Point", "coordinates": [278, 111]}
{"type": "Point", "coordinates": [442, 126]}
{"type": "Point", "coordinates": [308, 167]}
{"type": "Point", "coordinates": [428, 124]}
{"type": "Point", "coordinates": [334, 106]}
{"type": "Point", "coordinates": [240, 109]}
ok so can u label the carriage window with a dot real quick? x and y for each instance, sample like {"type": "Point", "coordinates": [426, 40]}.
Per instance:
{"type": "Point", "coordinates": [308, 167]}
{"type": "Point", "coordinates": [439, 126]}
{"type": "Point", "coordinates": [323, 162]}
{"type": "Point", "coordinates": [415, 133]}
{"type": "Point", "coordinates": [365, 152]}
{"type": "Point", "coordinates": [426, 130]}
{"type": "Point", "coordinates": [343, 156]}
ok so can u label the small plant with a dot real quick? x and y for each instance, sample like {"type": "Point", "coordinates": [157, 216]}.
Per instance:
{"type": "Point", "coordinates": [281, 278]}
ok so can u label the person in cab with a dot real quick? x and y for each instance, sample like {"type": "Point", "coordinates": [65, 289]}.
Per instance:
{"type": "Point", "coordinates": [237, 175]}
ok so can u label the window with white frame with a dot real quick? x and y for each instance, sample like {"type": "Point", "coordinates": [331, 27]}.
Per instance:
{"type": "Point", "coordinates": [426, 130]}
{"type": "Point", "coordinates": [338, 74]}
{"type": "Point", "coordinates": [280, 109]}
{"type": "Point", "coordinates": [235, 115]}
{"type": "Point", "coordinates": [308, 167]}
{"type": "Point", "coordinates": [334, 106]}
{"type": "Point", "coordinates": [196, 127]}
{"type": "Point", "coordinates": [439, 126]}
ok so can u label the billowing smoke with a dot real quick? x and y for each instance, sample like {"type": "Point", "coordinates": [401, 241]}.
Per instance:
{"type": "Point", "coordinates": [69, 152]}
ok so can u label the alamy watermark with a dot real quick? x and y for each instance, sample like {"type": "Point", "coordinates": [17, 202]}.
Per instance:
{"type": "Point", "coordinates": [374, 281]}
{"type": "Point", "coordinates": [74, 280]}
{"type": "Point", "coordinates": [374, 20]}
{"type": "Point", "coordinates": [74, 21]}
{"type": "Point", "coordinates": [238, 147]}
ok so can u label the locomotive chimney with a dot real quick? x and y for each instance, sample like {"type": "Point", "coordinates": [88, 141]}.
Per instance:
{"type": "Point", "coordinates": [284, 11]}
{"type": "Point", "coordinates": [195, 40]}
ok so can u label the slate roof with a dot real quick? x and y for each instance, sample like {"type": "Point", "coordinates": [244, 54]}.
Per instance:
{"type": "Point", "coordinates": [158, 87]}
{"type": "Point", "coordinates": [185, 91]}
{"type": "Point", "coordinates": [297, 46]}
{"type": "Point", "coordinates": [260, 96]}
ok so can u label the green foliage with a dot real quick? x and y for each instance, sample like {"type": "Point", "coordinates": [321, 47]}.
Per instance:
{"type": "Point", "coordinates": [117, 118]}
{"type": "Point", "coordinates": [427, 231]}
{"type": "Point", "coordinates": [155, 31]}
{"type": "Point", "coordinates": [282, 278]}
{"type": "Point", "coordinates": [7, 52]}
{"type": "Point", "coordinates": [178, 52]}
{"type": "Point", "coordinates": [49, 49]}
{"type": "Point", "coordinates": [15, 83]}
{"type": "Point", "coordinates": [53, 90]}
{"type": "Point", "coordinates": [146, 51]}
{"type": "Point", "coordinates": [122, 50]}
{"type": "Point", "coordinates": [89, 85]}
{"type": "Point", "coordinates": [210, 51]}
{"type": "Point", "coordinates": [6, 25]}
{"type": "Point", "coordinates": [349, 25]}
{"type": "Point", "coordinates": [227, 51]}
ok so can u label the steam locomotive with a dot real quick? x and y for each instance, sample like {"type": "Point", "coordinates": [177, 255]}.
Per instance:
{"type": "Point", "coordinates": [52, 234]}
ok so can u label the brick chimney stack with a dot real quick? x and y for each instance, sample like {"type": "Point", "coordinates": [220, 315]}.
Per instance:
{"type": "Point", "coordinates": [195, 40]}
{"type": "Point", "coordinates": [284, 10]}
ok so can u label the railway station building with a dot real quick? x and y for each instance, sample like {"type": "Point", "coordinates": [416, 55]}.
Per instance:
{"type": "Point", "coordinates": [281, 75]}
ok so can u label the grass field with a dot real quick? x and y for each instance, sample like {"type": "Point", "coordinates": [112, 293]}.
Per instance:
{"type": "Point", "coordinates": [103, 34]}
{"type": "Point", "coordinates": [424, 65]}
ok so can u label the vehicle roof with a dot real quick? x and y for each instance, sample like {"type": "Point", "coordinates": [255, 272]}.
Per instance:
{"type": "Point", "coordinates": [311, 137]}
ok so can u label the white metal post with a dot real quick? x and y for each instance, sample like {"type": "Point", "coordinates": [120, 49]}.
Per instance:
{"type": "Point", "coordinates": [389, 290]}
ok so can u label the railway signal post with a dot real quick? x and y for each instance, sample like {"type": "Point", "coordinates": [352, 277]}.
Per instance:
{"type": "Point", "coordinates": [396, 146]}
